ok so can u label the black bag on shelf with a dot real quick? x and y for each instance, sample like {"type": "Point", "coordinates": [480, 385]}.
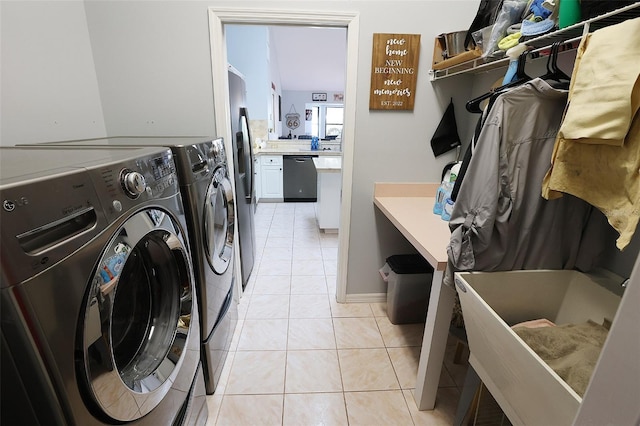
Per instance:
{"type": "Point", "coordinates": [446, 136]}
{"type": "Point", "coordinates": [486, 15]}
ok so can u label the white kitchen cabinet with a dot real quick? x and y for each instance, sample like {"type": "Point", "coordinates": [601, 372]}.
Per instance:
{"type": "Point", "coordinates": [271, 177]}
{"type": "Point", "coordinates": [329, 192]}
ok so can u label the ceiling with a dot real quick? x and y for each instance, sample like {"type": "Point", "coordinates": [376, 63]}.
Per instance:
{"type": "Point", "coordinates": [310, 58]}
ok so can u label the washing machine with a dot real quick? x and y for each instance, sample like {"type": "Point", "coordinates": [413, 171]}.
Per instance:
{"type": "Point", "coordinates": [208, 199]}
{"type": "Point", "coordinates": [99, 319]}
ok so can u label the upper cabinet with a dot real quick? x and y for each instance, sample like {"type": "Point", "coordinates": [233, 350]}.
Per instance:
{"type": "Point", "coordinates": [571, 34]}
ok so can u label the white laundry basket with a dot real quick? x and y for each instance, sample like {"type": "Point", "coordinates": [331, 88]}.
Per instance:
{"type": "Point", "coordinates": [408, 277]}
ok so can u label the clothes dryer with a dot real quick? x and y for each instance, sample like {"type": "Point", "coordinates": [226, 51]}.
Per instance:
{"type": "Point", "coordinates": [99, 319]}
{"type": "Point", "coordinates": [209, 200]}
{"type": "Point", "coordinates": [209, 204]}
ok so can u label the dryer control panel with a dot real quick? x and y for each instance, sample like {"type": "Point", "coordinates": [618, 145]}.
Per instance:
{"type": "Point", "coordinates": [197, 162]}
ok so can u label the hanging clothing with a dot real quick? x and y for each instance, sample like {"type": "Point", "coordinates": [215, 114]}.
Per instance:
{"type": "Point", "coordinates": [500, 221]}
{"type": "Point", "coordinates": [466, 159]}
{"type": "Point", "coordinates": [472, 146]}
{"type": "Point", "coordinates": [604, 95]}
{"type": "Point", "coordinates": [606, 175]}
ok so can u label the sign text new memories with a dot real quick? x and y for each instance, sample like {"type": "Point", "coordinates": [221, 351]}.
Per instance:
{"type": "Point", "coordinates": [394, 71]}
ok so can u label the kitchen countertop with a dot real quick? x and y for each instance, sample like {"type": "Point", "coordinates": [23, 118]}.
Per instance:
{"type": "Point", "coordinates": [328, 164]}
{"type": "Point", "coordinates": [294, 151]}
{"type": "Point", "coordinates": [298, 147]}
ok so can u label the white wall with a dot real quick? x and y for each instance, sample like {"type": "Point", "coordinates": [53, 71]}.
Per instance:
{"type": "Point", "coordinates": [247, 51]}
{"type": "Point", "coordinates": [153, 65]}
{"type": "Point", "coordinates": [310, 55]}
{"type": "Point", "coordinates": [393, 146]}
{"type": "Point", "coordinates": [294, 101]}
{"type": "Point", "coordinates": [49, 90]}
{"type": "Point", "coordinates": [299, 99]}
{"type": "Point", "coordinates": [274, 72]}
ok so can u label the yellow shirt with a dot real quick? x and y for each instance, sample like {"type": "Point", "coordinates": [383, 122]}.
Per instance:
{"type": "Point", "coordinates": [604, 95]}
{"type": "Point", "coordinates": [604, 172]}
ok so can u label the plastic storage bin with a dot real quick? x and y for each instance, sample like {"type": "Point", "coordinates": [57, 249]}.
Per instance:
{"type": "Point", "coordinates": [527, 389]}
{"type": "Point", "coordinates": [409, 284]}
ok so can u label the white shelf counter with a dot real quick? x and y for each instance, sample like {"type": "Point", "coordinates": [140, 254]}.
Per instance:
{"type": "Point", "coordinates": [409, 206]}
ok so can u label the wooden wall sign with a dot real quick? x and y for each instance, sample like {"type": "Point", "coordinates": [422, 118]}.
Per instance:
{"type": "Point", "coordinates": [394, 71]}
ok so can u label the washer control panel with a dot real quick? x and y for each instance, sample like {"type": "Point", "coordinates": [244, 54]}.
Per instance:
{"type": "Point", "coordinates": [163, 174]}
{"type": "Point", "coordinates": [124, 184]}
{"type": "Point", "coordinates": [133, 183]}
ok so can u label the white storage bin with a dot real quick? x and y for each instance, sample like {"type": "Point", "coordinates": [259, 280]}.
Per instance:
{"type": "Point", "coordinates": [527, 389]}
{"type": "Point", "coordinates": [409, 285]}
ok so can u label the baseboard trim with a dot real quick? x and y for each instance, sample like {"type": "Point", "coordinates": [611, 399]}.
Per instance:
{"type": "Point", "coordinates": [366, 298]}
{"type": "Point", "coordinates": [329, 230]}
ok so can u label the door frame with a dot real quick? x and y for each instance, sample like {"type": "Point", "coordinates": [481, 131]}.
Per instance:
{"type": "Point", "coordinates": [218, 17]}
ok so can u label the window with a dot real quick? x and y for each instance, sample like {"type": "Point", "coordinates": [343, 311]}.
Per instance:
{"type": "Point", "coordinates": [326, 120]}
{"type": "Point", "coordinates": [334, 118]}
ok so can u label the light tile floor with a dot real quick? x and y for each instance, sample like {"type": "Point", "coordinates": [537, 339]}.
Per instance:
{"type": "Point", "coordinates": [300, 358]}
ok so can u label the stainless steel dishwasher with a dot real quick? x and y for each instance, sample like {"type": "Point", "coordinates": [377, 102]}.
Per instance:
{"type": "Point", "coordinates": [300, 180]}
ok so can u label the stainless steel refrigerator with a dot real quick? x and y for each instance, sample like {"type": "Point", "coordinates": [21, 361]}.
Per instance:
{"type": "Point", "coordinates": [244, 177]}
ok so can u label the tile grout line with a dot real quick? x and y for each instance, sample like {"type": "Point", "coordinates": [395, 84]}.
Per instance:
{"type": "Point", "coordinates": [335, 339]}
{"type": "Point", "coordinates": [333, 318]}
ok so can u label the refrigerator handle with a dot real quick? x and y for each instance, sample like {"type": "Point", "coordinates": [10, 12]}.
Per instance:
{"type": "Point", "coordinates": [251, 189]}
{"type": "Point", "coordinates": [252, 174]}
{"type": "Point", "coordinates": [245, 116]}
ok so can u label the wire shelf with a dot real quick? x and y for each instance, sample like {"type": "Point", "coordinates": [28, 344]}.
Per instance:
{"type": "Point", "coordinates": [570, 37]}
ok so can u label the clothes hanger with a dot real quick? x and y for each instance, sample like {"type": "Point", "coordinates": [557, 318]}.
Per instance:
{"type": "Point", "coordinates": [522, 60]}
{"type": "Point", "coordinates": [521, 77]}
{"type": "Point", "coordinates": [553, 71]}
{"type": "Point", "coordinates": [554, 64]}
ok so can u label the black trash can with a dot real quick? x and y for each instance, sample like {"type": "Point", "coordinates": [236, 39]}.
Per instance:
{"type": "Point", "coordinates": [409, 285]}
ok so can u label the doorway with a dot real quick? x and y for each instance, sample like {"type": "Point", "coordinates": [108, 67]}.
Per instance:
{"type": "Point", "coordinates": [218, 17]}
{"type": "Point", "coordinates": [293, 75]}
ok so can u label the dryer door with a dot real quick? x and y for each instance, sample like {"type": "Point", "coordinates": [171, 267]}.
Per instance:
{"type": "Point", "coordinates": [137, 316]}
{"type": "Point", "coordinates": [219, 222]}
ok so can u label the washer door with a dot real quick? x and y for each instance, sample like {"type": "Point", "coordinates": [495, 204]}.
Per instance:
{"type": "Point", "coordinates": [218, 222]}
{"type": "Point", "coordinates": [137, 316]}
